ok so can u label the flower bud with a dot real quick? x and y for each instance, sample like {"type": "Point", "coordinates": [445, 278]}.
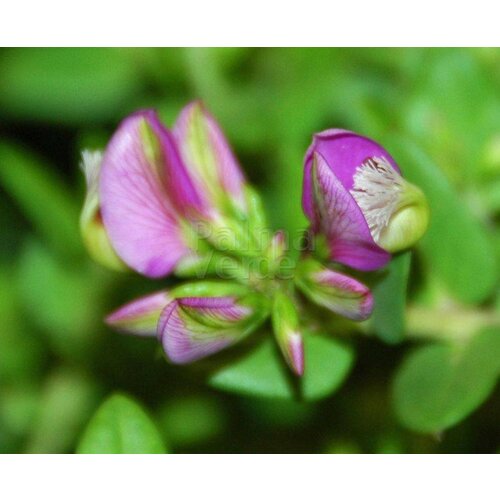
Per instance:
{"type": "Point", "coordinates": [231, 212]}
{"type": "Point", "coordinates": [356, 198]}
{"type": "Point", "coordinates": [169, 198]}
{"type": "Point", "coordinates": [209, 161]}
{"type": "Point", "coordinates": [336, 291]}
{"type": "Point", "coordinates": [287, 333]}
{"type": "Point", "coordinates": [193, 327]}
{"type": "Point", "coordinates": [140, 317]}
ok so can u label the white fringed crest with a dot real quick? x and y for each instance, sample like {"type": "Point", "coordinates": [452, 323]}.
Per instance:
{"type": "Point", "coordinates": [377, 189]}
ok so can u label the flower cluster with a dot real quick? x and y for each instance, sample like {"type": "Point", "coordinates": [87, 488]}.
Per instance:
{"type": "Point", "coordinates": [175, 202]}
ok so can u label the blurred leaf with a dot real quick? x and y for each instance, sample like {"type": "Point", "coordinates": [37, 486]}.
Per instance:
{"type": "Point", "coordinates": [68, 398]}
{"type": "Point", "coordinates": [284, 199]}
{"type": "Point", "coordinates": [454, 110]}
{"type": "Point", "coordinates": [456, 246]}
{"type": "Point", "coordinates": [192, 420]}
{"type": "Point", "coordinates": [490, 195]}
{"type": "Point", "coordinates": [439, 385]}
{"type": "Point", "coordinates": [263, 373]}
{"type": "Point", "coordinates": [121, 425]}
{"type": "Point", "coordinates": [66, 301]}
{"type": "Point", "coordinates": [21, 353]}
{"type": "Point", "coordinates": [18, 407]}
{"type": "Point", "coordinates": [239, 108]}
{"type": "Point", "coordinates": [70, 85]}
{"type": "Point", "coordinates": [388, 319]}
{"type": "Point", "coordinates": [302, 100]}
{"type": "Point", "coordinates": [159, 66]}
{"type": "Point", "coordinates": [49, 205]}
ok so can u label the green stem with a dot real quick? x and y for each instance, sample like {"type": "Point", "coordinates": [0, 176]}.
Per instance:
{"type": "Point", "coordinates": [449, 324]}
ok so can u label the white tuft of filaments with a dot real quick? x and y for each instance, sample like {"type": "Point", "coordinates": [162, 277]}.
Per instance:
{"type": "Point", "coordinates": [91, 166]}
{"type": "Point", "coordinates": [377, 189]}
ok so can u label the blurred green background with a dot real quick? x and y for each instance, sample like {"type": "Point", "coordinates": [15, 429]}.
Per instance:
{"type": "Point", "coordinates": [422, 376]}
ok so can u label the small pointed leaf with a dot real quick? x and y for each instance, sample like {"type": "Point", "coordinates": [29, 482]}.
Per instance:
{"type": "Point", "coordinates": [121, 426]}
{"type": "Point", "coordinates": [262, 373]}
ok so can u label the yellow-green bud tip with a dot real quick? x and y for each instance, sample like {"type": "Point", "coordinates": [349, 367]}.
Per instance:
{"type": "Point", "coordinates": [395, 210]}
{"type": "Point", "coordinates": [408, 223]}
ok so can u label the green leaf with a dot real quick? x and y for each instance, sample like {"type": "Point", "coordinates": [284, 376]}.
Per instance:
{"type": "Point", "coordinates": [18, 407]}
{"type": "Point", "coordinates": [263, 373]}
{"type": "Point", "coordinates": [439, 385]}
{"type": "Point", "coordinates": [68, 300]}
{"type": "Point", "coordinates": [43, 198]}
{"type": "Point", "coordinates": [388, 319]}
{"type": "Point", "coordinates": [121, 425]}
{"type": "Point", "coordinates": [453, 111]}
{"type": "Point", "coordinates": [456, 246]}
{"type": "Point", "coordinates": [70, 85]}
{"type": "Point", "coordinates": [22, 352]}
{"type": "Point", "coordinates": [67, 400]}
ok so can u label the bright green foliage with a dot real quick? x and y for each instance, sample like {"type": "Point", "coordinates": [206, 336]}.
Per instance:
{"type": "Point", "coordinates": [262, 372]}
{"type": "Point", "coordinates": [454, 111]}
{"type": "Point", "coordinates": [69, 85]}
{"type": "Point", "coordinates": [439, 385]}
{"type": "Point", "coordinates": [120, 425]}
{"type": "Point", "coordinates": [64, 299]}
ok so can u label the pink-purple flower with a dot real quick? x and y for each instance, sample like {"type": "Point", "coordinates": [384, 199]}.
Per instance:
{"type": "Point", "coordinates": [166, 201]}
{"type": "Point", "coordinates": [154, 182]}
{"type": "Point", "coordinates": [357, 200]}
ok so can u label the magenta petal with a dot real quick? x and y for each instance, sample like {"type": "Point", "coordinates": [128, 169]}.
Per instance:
{"type": "Point", "coordinates": [208, 156]}
{"type": "Point", "coordinates": [142, 182]}
{"type": "Point", "coordinates": [343, 151]}
{"type": "Point", "coordinates": [192, 328]}
{"type": "Point", "coordinates": [140, 317]}
{"type": "Point", "coordinates": [344, 295]}
{"type": "Point", "coordinates": [338, 217]}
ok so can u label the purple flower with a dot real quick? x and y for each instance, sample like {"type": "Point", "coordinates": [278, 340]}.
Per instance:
{"type": "Point", "coordinates": [155, 185]}
{"type": "Point", "coordinates": [193, 320]}
{"type": "Point", "coordinates": [191, 328]}
{"type": "Point", "coordinates": [149, 192]}
{"type": "Point", "coordinates": [161, 201]}
{"type": "Point", "coordinates": [357, 200]}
